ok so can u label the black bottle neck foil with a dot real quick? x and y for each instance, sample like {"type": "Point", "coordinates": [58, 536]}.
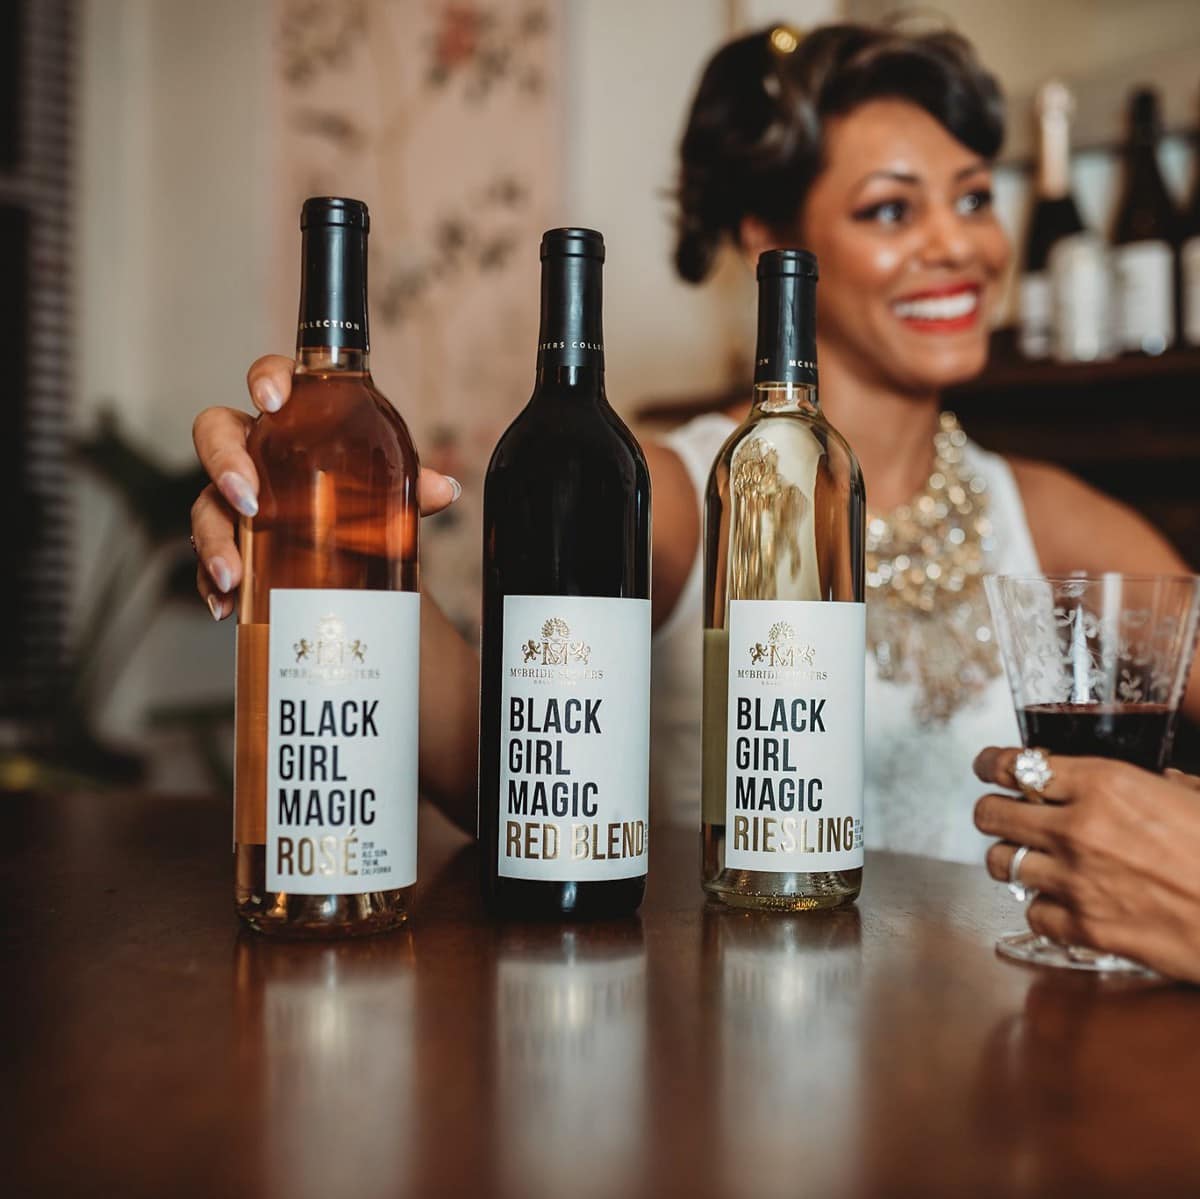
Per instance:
{"type": "Point", "coordinates": [787, 318]}
{"type": "Point", "coordinates": [571, 334]}
{"type": "Point", "coordinates": [333, 275]}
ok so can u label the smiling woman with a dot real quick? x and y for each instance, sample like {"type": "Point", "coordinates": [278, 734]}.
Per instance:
{"type": "Point", "coordinates": [872, 148]}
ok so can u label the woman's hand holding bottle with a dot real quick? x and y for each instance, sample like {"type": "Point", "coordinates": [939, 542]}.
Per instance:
{"type": "Point", "coordinates": [219, 435]}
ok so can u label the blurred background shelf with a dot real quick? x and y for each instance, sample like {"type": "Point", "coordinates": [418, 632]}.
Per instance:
{"type": "Point", "coordinates": [1129, 426]}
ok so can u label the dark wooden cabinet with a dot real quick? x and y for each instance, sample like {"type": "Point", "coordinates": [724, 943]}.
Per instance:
{"type": "Point", "coordinates": [1130, 426]}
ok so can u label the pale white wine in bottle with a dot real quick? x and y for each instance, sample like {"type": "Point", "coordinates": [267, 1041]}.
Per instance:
{"type": "Point", "coordinates": [784, 629]}
{"type": "Point", "coordinates": [325, 800]}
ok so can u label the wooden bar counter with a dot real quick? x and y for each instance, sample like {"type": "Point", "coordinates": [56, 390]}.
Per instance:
{"type": "Point", "coordinates": [152, 1048]}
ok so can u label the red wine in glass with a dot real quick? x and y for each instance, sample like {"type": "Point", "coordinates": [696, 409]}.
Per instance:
{"type": "Point", "coordinates": [1137, 733]}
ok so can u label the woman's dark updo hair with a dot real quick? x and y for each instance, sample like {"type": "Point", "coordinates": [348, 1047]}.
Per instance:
{"type": "Point", "coordinates": [753, 144]}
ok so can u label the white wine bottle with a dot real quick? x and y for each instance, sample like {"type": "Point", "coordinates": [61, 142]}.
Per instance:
{"type": "Point", "coordinates": [785, 629]}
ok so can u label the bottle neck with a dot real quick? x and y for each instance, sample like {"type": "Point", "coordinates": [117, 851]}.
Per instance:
{"type": "Point", "coordinates": [787, 332]}
{"type": "Point", "coordinates": [785, 397]}
{"type": "Point", "coordinates": [1143, 152]}
{"type": "Point", "coordinates": [332, 331]}
{"type": "Point", "coordinates": [1054, 166]}
{"type": "Point", "coordinates": [571, 335]}
{"type": "Point", "coordinates": [325, 360]}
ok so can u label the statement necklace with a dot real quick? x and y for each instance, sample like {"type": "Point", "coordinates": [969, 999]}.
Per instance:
{"type": "Point", "coordinates": [927, 614]}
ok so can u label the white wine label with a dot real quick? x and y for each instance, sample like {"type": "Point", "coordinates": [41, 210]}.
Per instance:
{"type": "Point", "coordinates": [575, 738]}
{"type": "Point", "coordinates": [1035, 315]}
{"type": "Point", "coordinates": [1145, 296]}
{"type": "Point", "coordinates": [794, 748]}
{"type": "Point", "coordinates": [342, 741]}
{"type": "Point", "coordinates": [1190, 262]}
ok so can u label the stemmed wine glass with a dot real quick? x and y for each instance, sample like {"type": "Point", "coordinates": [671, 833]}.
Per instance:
{"type": "Point", "coordinates": [1097, 665]}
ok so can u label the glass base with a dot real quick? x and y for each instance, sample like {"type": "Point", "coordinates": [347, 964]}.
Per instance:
{"type": "Point", "coordinates": [1041, 951]}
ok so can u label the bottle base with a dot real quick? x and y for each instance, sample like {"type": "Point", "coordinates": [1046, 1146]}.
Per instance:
{"type": "Point", "coordinates": [774, 891]}
{"type": "Point", "coordinates": [754, 890]}
{"type": "Point", "coordinates": [325, 917]}
{"type": "Point", "coordinates": [524, 899]}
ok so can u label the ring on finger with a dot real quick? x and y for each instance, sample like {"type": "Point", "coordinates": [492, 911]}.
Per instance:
{"type": "Point", "coordinates": [1033, 774]}
{"type": "Point", "coordinates": [1016, 888]}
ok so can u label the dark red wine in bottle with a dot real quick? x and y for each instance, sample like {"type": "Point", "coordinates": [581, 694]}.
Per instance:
{"type": "Point", "coordinates": [1137, 733]}
{"type": "Point", "coordinates": [1144, 238]}
{"type": "Point", "coordinates": [1055, 216]}
{"type": "Point", "coordinates": [564, 757]}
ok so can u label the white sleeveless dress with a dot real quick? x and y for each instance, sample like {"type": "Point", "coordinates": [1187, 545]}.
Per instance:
{"type": "Point", "coordinates": [920, 789]}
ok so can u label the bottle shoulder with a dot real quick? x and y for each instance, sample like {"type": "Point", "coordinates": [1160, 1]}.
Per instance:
{"type": "Point", "coordinates": [331, 418]}
{"type": "Point", "coordinates": [793, 425]}
{"type": "Point", "coordinates": [545, 437]}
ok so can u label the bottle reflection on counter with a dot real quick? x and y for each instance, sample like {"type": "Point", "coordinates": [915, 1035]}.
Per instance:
{"type": "Point", "coordinates": [570, 1020]}
{"type": "Point", "coordinates": [318, 1028]}
{"type": "Point", "coordinates": [787, 1017]}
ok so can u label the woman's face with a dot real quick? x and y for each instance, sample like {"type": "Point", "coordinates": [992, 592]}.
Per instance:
{"type": "Point", "coordinates": [910, 251]}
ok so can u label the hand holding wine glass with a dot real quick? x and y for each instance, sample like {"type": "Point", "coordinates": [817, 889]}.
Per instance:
{"type": "Point", "coordinates": [1097, 666]}
{"type": "Point", "coordinates": [1113, 856]}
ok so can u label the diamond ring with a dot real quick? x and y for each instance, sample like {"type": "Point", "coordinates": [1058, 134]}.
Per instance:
{"type": "Point", "coordinates": [1033, 774]}
{"type": "Point", "coordinates": [1016, 888]}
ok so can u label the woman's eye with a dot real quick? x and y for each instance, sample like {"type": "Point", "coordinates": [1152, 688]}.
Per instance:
{"type": "Point", "coordinates": [977, 200]}
{"type": "Point", "coordinates": [890, 212]}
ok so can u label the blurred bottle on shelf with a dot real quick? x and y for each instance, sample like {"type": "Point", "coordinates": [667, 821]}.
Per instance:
{"type": "Point", "coordinates": [1081, 298]}
{"type": "Point", "coordinates": [1189, 258]}
{"type": "Point", "coordinates": [1145, 234]}
{"type": "Point", "coordinates": [1055, 216]}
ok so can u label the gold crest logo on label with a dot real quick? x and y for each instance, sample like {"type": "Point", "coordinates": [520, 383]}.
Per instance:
{"type": "Point", "coordinates": [556, 647]}
{"type": "Point", "coordinates": [782, 648]}
{"type": "Point", "coordinates": [332, 656]}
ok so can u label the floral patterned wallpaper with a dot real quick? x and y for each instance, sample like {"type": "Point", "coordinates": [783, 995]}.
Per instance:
{"type": "Point", "coordinates": [445, 117]}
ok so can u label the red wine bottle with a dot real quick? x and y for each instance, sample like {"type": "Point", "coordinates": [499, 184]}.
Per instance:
{"type": "Point", "coordinates": [1055, 216]}
{"type": "Point", "coordinates": [1145, 234]}
{"type": "Point", "coordinates": [564, 751]}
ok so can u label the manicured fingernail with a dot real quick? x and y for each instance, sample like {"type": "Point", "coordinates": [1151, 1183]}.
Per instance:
{"type": "Point", "coordinates": [220, 573]}
{"type": "Point", "coordinates": [455, 487]}
{"type": "Point", "coordinates": [215, 606]}
{"type": "Point", "coordinates": [239, 493]}
{"type": "Point", "coordinates": [268, 395]}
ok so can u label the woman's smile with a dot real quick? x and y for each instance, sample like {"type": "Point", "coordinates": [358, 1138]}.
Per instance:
{"type": "Point", "coordinates": [951, 308]}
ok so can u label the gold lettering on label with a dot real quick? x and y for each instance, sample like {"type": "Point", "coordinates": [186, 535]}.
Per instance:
{"type": "Point", "coordinates": [536, 841]}
{"type": "Point", "coordinates": [583, 842]}
{"type": "Point", "coordinates": [794, 834]}
{"type": "Point", "coordinates": [607, 843]}
{"type": "Point", "coordinates": [579, 842]}
{"type": "Point", "coordinates": [329, 855]}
